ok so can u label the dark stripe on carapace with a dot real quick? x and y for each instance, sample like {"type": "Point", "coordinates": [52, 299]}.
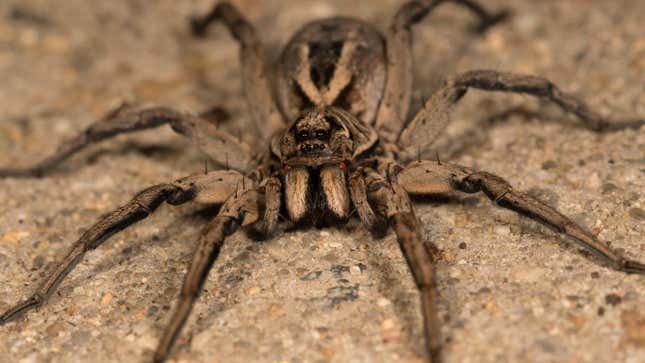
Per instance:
{"type": "Point", "coordinates": [323, 57]}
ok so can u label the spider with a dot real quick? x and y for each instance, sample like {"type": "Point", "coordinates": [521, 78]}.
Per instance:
{"type": "Point", "coordinates": [338, 143]}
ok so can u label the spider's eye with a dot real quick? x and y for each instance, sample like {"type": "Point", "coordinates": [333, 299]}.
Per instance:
{"type": "Point", "coordinates": [303, 135]}
{"type": "Point", "coordinates": [321, 134]}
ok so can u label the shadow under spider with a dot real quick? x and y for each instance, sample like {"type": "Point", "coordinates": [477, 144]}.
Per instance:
{"type": "Point", "coordinates": [157, 152]}
{"type": "Point", "coordinates": [388, 284]}
{"type": "Point", "coordinates": [478, 134]}
{"type": "Point", "coordinates": [526, 225]}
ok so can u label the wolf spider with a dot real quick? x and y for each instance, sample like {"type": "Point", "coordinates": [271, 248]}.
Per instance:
{"type": "Point", "coordinates": [339, 142]}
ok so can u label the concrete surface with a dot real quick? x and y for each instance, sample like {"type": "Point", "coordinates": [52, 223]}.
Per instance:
{"type": "Point", "coordinates": [511, 291]}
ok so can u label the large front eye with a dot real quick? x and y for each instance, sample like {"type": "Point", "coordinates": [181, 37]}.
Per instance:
{"type": "Point", "coordinates": [321, 134]}
{"type": "Point", "coordinates": [303, 135]}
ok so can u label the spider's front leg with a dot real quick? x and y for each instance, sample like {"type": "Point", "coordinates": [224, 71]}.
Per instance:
{"type": "Point", "coordinates": [220, 146]}
{"type": "Point", "coordinates": [430, 177]}
{"type": "Point", "coordinates": [240, 209]}
{"type": "Point", "coordinates": [213, 187]}
{"type": "Point", "coordinates": [393, 202]}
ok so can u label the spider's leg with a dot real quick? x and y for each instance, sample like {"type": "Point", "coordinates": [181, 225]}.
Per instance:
{"type": "Point", "coordinates": [240, 209]}
{"type": "Point", "coordinates": [213, 187]}
{"type": "Point", "coordinates": [272, 202]}
{"type": "Point", "coordinates": [396, 98]}
{"type": "Point", "coordinates": [220, 146]}
{"type": "Point", "coordinates": [433, 118]}
{"type": "Point", "coordinates": [393, 202]}
{"type": "Point", "coordinates": [429, 177]}
{"type": "Point", "coordinates": [358, 193]}
{"type": "Point", "coordinates": [254, 62]}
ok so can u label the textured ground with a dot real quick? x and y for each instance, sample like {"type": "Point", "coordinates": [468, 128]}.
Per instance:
{"type": "Point", "coordinates": [510, 290]}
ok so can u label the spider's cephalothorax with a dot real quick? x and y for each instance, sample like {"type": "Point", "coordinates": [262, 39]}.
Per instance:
{"type": "Point", "coordinates": [315, 151]}
{"type": "Point", "coordinates": [341, 143]}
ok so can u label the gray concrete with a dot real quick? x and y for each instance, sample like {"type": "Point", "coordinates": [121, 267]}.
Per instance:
{"type": "Point", "coordinates": [515, 292]}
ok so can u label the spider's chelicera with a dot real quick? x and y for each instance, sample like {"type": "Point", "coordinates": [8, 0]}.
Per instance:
{"type": "Point", "coordinates": [339, 142]}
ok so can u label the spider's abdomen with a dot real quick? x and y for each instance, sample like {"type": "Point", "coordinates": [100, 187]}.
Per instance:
{"type": "Point", "coordinates": [333, 62]}
{"type": "Point", "coordinates": [319, 196]}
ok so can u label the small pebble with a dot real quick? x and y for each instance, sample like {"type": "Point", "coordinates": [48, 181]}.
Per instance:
{"type": "Point", "coordinates": [148, 341]}
{"type": "Point", "coordinates": [327, 352]}
{"type": "Point", "coordinates": [593, 182]}
{"type": "Point", "coordinates": [387, 324]}
{"type": "Point", "coordinates": [55, 329]}
{"type": "Point", "coordinates": [613, 299]}
{"type": "Point", "coordinates": [355, 270]}
{"type": "Point", "coordinates": [382, 302]}
{"type": "Point", "coordinates": [502, 230]}
{"type": "Point", "coordinates": [13, 237]}
{"type": "Point", "coordinates": [107, 297]}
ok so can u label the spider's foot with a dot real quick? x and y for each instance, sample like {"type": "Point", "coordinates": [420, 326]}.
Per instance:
{"type": "Point", "coordinates": [633, 267]}
{"type": "Point", "coordinates": [33, 302]}
{"type": "Point", "coordinates": [159, 357]}
{"type": "Point", "coordinates": [22, 173]}
{"type": "Point", "coordinates": [604, 125]}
